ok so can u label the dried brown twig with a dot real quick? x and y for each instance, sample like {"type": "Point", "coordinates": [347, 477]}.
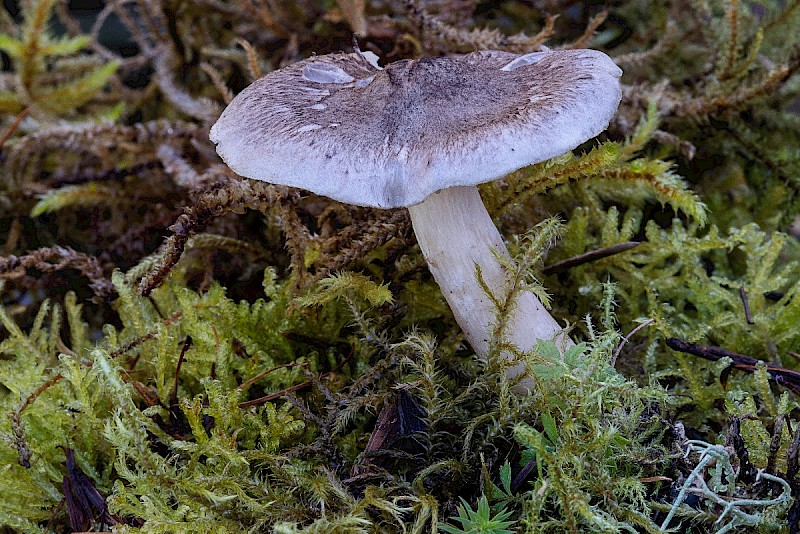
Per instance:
{"type": "Point", "coordinates": [236, 195]}
{"type": "Point", "coordinates": [53, 259]}
{"type": "Point", "coordinates": [787, 378]}
{"type": "Point", "coordinates": [362, 237]}
{"type": "Point", "coordinates": [590, 256]}
{"type": "Point", "coordinates": [591, 28]}
{"type": "Point", "coordinates": [456, 39]}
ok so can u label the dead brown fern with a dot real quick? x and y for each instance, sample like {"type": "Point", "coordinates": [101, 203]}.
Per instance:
{"type": "Point", "coordinates": [55, 259]}
{"type": "Point", "coordinates": [359, 239]}
{"type": "Point", "coordinates": [591, 28]}
{"type": "Point", "coordinates": [235, 196]}
{"type": "Point", "coordinates": [437, 34]}
{"type": "Point", "coordinates": [91, 152]}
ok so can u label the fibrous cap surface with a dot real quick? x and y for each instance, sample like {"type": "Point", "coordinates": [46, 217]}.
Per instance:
{"type": "Point", "coordinates": [340, 126]}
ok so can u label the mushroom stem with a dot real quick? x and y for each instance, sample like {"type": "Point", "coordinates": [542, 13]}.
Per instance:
{"type": "Point", "coordinates": [456, 234]}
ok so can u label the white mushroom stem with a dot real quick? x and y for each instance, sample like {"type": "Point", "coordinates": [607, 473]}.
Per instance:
{"type": "Point", "coordinates": [456, 234]}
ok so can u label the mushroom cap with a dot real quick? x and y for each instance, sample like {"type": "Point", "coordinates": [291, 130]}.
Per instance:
{"type": "Point", "coordinates": [340, 126]}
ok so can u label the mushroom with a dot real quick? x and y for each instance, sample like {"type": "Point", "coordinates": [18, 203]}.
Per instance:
{"type": "Point", "coordinates": [422, 134]}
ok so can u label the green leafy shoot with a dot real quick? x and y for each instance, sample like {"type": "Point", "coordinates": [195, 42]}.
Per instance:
{"type": "Point", "coordinates": [349, 285]}
{"type": "Point", "coordinates": [608, 171]}
{"type": "Point", "coordinates": [479, 520]}
{"type": "Point", "coordinates": [52, 72]}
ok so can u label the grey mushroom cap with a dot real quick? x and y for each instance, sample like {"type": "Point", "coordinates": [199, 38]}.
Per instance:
{"type": "Point", "coordinates": [340, 126]}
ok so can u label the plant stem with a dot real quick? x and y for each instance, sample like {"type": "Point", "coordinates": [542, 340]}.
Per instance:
{"type": "Point", "coordinates": [456, 235]}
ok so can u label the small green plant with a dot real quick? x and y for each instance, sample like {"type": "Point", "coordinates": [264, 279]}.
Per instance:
{"type": "Point", "coordinates": [502, 495]}
{"type": "Point", "coordinates": [51, 73]}
{"type": "Point", "coordinates": [480, 520]}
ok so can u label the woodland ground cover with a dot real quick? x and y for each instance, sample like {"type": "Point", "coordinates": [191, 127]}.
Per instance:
{"type": "Point", "coordinates": [186, 351]}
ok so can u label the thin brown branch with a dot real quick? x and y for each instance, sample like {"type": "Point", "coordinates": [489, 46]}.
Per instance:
{"type": "Point", "coordinates": [247, 383]}
{"type": "Point", "coordinates": [14, 125]}
{"type": "Point", "coordinates": [50, 382]}
{"type": "Point", "coordinates": [458, 39]}
{"type": "Point", "coordinates": [627, 338]}
{"type": "Point", "coordinates": [141, 339]}
{"type": "Point", "coordinates": [592, 255]}
{"type": "Point", "coordinates": [20, 439]}
{"type": "Point", "coordinates": [348, 247]}
{"type": "Point", "coordinates": [591, 28]}
{"type": "Point", "coordinates": [186, 345]}
{"type": "Point", "coordinates": [668, 39]}
{"type": "Point", "coordinates": [253, 68]}
{"type": "Point", "coordinates": [14, 233]}
{"type": "Point", "coordinates": [733, 39]}
{"type": "Point", "coordinates": [746, 304]}
{"type": "Point", "coordinates": [54, 259]}
{"type": "Point", "coordinates": [233, 196]}
{"type": "Point", "coordinates": [219, 83]}
{"type": "Point", "coordinates": [291, 389]}
{"type": "Point", "coordinates": [787, 378]}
